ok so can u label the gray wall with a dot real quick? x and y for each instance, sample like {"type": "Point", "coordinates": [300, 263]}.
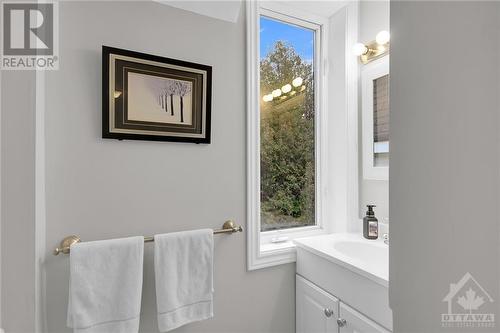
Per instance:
{"type": "Point", "coordinates": [102, 189]}
{"type": "Point", "coordinates": [374, 17]}
{"type": "Point", "coordinates": [444, 185]}
{"type": "Point", "coordinates": [18, 201]}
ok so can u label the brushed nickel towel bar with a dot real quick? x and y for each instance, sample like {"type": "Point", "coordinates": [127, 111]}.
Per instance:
{"type": "Point", "coordinates": [228, 227]}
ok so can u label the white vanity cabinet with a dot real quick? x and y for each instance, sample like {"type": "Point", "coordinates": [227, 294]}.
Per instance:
{"type": "Point", "coordinates": [342, 284]}
{"type": "Point", "coordinates": [316, 310]}
{"type": "Point", "coordinates": [319, 312]}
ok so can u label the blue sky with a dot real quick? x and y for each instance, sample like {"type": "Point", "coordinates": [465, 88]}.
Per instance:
{"type": "Point", "coordinates": [302, 39]}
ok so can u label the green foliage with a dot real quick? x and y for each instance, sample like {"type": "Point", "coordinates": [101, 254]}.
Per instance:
{"type": "Point", "coordinates": [287, 143]}
{"type": "Point", "coordinates": [281, 66]}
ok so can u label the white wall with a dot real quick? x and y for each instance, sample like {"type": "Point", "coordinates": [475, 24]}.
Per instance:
{"type": "Point", "coordinates": [102, 189]}
{"type": "Point", "coordinates": [445, 149]}
{"type": "Point", "coordinates": [374, 17]}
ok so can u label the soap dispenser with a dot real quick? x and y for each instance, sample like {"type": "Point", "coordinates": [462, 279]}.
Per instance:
{"type": "Point", "coordinates": [370, 224]}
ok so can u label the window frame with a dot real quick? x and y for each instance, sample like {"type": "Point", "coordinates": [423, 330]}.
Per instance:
{"type": "Point", "coordinates": [262, 252]}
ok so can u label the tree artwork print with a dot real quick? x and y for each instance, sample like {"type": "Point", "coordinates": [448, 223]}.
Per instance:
{"type": "Point", "coordinates": [170, 89]}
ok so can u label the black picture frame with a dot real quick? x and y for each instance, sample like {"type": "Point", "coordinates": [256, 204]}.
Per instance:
{"type": "Point", "coordinates": [147, 72]}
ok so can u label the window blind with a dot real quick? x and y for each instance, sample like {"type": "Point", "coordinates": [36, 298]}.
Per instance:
{"type": "Point", "coordinates": [381, 109]}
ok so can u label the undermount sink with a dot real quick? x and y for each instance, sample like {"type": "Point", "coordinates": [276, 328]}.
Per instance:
{"type": "Point", "coordinates": [371, 252]}
{"type": "Point", "coordinates": [369, 258]}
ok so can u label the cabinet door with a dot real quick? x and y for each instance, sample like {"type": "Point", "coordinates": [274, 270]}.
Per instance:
{"type": "Point", "coordinates": [316, 310]}
{"type": "Point", "coordinates": [351, 321]}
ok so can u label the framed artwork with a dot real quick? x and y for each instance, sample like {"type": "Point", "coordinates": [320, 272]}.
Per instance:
{"type": "Point", "coordinates": [147, 97]}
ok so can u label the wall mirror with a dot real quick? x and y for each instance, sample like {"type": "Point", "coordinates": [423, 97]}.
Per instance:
{"type": "Point", "coordinates": [375, 119]}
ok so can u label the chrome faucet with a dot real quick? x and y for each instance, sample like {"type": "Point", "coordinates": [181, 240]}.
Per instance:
{"type": "Point", "coordinates": [386, 238]}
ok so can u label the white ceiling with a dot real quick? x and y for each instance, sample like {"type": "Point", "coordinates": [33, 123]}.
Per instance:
{"type": "Point", "coordinates": [325, 8]}
{"type": "Point", "coordinates": [229, 10]}
{"type": "Point", "coordinates": [222, 10]}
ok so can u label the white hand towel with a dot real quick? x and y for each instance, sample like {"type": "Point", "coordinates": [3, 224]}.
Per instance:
{"type": "Point", "coordinates": [106, 286]}
{"type": "Point", "coordinates": [184, 277]}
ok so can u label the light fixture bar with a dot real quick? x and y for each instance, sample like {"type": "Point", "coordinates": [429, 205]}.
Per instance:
{"type": "Point", "coordinates": [374, 51]}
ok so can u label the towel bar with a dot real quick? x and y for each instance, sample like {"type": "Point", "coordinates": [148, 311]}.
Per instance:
{"type": "Point", "coordinates": [228, 227]}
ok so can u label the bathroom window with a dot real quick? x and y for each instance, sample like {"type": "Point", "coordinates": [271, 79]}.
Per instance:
{"type": "Point", "coordinates": [286, 79]}
{"type": "Point", "coordinates": [287, 123]}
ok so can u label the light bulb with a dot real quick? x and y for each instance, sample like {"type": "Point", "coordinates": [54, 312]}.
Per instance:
{"type": "Point", "coordinates": [286, 88]}
{"type": "Point", "coordinates": [276, 93]}
{"type": "Point", "coordinates": [383, 37]}
{"type": "Point", "coordinates": [267, 98]}
{"type": "Point", "coordinates": [359, 49]}
{"type": "Point", "coordinates": [297, 82]}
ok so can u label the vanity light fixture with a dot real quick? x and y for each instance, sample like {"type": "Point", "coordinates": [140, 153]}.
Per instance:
{"type": "Point", "coordinates": [297, 82]}
{"type": "Point", "coordinates": [286, 91]}
{"type": "Point", "coordinates": [267, 98]}
{"type": "Point", "coordinates": [373, 50]}
{"type": "Point", "coordinates": [286, 88]}
{"type": "Point", "coordinates": [383, 37]}
{"type": "Point", "coordinates": [276, 92]}
{"type": "Point", "coordinates": [359, 49]}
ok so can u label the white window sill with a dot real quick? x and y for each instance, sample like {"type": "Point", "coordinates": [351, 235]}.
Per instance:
{"type": "Point", "coordinates": [272, 254]}
{"type": "Point", "coordinates": [271, 248]}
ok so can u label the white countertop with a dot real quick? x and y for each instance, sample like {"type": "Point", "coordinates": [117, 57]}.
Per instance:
{"type": "Point", "coordinates": [369, 258]}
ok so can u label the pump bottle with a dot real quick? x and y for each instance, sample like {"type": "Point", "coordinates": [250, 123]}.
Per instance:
{"type": "Point", "coordinates": [370, 224]}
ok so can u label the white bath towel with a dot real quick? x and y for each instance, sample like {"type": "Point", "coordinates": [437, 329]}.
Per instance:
{"type": "Point", "coordinates": [106, 286]}
{"type": "Point", "coordinates": [184, 277]}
